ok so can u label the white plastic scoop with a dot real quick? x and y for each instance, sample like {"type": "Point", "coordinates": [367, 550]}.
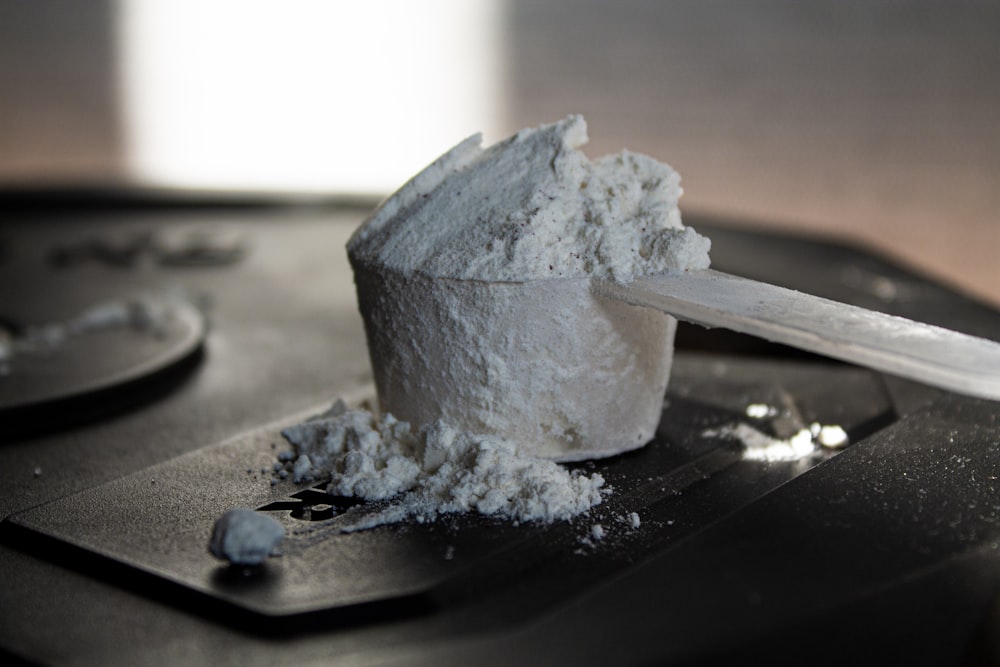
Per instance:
{"type": "Point", "coordinates": [923, 352]}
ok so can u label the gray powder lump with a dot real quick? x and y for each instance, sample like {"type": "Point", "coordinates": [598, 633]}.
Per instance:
{"type": "Point", "coordinates": [245, 537]}
{"type": "Point", "coordinates": [435, 470]}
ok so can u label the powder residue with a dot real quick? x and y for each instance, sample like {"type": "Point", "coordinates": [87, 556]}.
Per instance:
{"type": "Point", "coordinates": [759, 446]}
{"type": "Point", "coordinates": [145, 314]}
{"type": "Point", "coordinates": [760, 411]}
{"type": "Point", "coordinates": [534, 207]}
{"type": "Point", "coordinates": [832, 437]}
{"type": "Point", "coordinates": [435, 470]}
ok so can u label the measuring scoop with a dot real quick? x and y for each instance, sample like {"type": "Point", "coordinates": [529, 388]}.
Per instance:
{"type": "Point", "coordinates": [929, 354]}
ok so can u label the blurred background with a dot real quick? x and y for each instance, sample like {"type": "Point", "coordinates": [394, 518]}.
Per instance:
{"type": "Point", "coordinates": [874, 121]}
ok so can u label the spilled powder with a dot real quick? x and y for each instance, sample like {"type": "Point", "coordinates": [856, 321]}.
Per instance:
{"type": "Point", "coordinates": [759, 446]}
{"type": "Point", "coordinates": [147, 314]}
{"type": "Point", "coordinates": [433, 471]}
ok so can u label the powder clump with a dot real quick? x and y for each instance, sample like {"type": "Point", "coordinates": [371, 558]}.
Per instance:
{"type": "Point", "coordinates": [435, 470]}
{"type": "Point", "coordinates": [245, 537]}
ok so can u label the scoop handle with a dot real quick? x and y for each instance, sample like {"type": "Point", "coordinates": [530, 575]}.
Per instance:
{"type": "Point", "coordinates": [896, 345]}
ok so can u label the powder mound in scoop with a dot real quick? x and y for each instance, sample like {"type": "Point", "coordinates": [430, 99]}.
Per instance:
{"type": "Point", "coordinates": [436, 470]}
{"type": "Point", "coordinates": [534, 207]}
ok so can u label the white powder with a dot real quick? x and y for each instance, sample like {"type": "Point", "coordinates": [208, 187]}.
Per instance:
{"type": "Point", "coordinates": [436, 470]}
{"type": "Point", "coordinates": [534, 207]}
{"type": "Point", "coordinates": [832, 437]}
{"type": "Point", "coordinates": [760, 411]}
{"type": "Point", "coordinates": [759, 446]}
{"type": "Point", "coordinates": [474, 284]}
{"type": "Point", "coordinates": [245, 537]}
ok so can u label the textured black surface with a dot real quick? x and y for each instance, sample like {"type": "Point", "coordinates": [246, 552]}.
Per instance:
{"type": "Point", "coordinates": [156, 520]}
{"type": "Point", "coordinates": [83, 376]}
{"type": "Point", "coordinates": [884, 551]}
